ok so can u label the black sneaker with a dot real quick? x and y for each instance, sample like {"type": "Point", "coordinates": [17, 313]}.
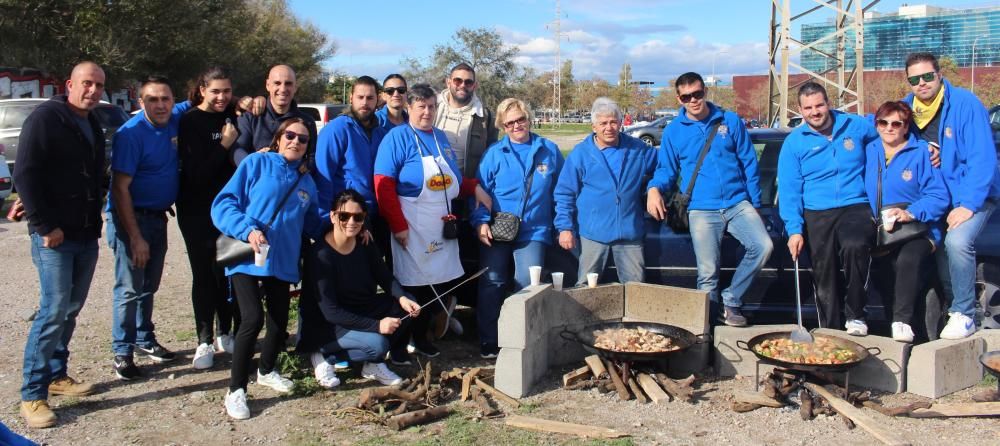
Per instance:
{"type": "Point", "coordinates": [125, 368]}
{"type": "Point", "coordinates": [157, 353]}
{"type": "Point", "coordinates": [733, 317]}
{"type": "Point", "coordinates": [426, 348]}
{"type": "Point", "coordinates": [400, 357]}
{"type": "Point", "coordinates": [488, 352]}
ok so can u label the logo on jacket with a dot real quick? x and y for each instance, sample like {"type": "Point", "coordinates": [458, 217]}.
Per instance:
{"type": "Point", "coordinates": [723, 130]}
{"type": "Point", "coordinates": [303, 198]}
{"type": "Point", "coordinates": [543, 169]}
{"type": "Point", "coordinates": [434, 246]}
{"type": "Point", "coordinates": [848, 144]}
{"type": "Point", "coordinates": [947, 132]}
{"type": "Point", "coordinates": [436, 182]}
{"type": "Point", "coordinates": [907, 175]}
{"type": "Point", "coordinates": [173, 142]}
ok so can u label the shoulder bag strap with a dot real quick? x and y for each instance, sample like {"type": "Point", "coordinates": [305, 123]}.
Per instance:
{"type": "Point", "coordinates": [527, 187]}
{"type": "Point", "coordinates": [701, 158]}
{"type": "Point", "coordinates": [283, 200]}
{"type": "Point", "coordinates": [878, 198]}
{"type": "Point", "coordinates": [447, 202]}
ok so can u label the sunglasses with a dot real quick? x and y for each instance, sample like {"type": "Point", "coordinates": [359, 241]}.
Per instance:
{"type": "Point", "coordinates": [694, 95]}
{"type": "Point", "coordinates": [519, 121]}
{"type": "Point", "coordinates": [459, 81]}
{"type": "Point", "coordinates": [392, 90]}
{"type": "Point", "coordinates": [343, 216]}
{"type": "Point", "coordinates": [290, 135]}
{"type": "Point", "coordinates": [885, 123]}
{"type": "Point", "coordinates": [927, 77]}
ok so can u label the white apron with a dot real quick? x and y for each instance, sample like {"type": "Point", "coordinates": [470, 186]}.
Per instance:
{"type": "Point", "coordinates": [428, 258]}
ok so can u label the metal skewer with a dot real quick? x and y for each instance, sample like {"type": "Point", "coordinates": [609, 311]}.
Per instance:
{"type": "Point", "coordinates": [438, 298]}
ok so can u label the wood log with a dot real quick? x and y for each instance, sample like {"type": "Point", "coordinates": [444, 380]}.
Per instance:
{"type": "Point", "coordinates": [652, 389]}
{"type": "Point", "coordinates": [402, 408]}
{"type": "Point", "coordinates": [596, 366]}
{"type": "Point", "coordinates": [486, 407]}
{"type": "Point", "coordinates": [637, 391]}
{"type": "Point", "coordinates": [606, 386]}
{"type": "Point", "coordinates": [418, 417]}
{"type": "Point", "coordinates": [958, 410]}
{"type": "Point", "coordinates": [558, 427]}
{"type": "Point", "coordinates": [678, 389]}
{"type": "Point", "coordinates": [467, 382]}
{"type": "Point", "coordinates": [584, 385]}
{"type": "Point", "coordinates": [427, 375]}
{"type": "Point", "coordinates": [741, 407]}
{"type": "Point", "coordinates": [869, 424]}
{"type": "Point", "coordinates": [770, 389]}
{"type": "Point", "coordinates": [576, 375]}
{"type": "Point", "coordinates": [895, 411]}
{"type": "Point", "coordinates": [757, 398]}
{"type": "Point", "coordinates": [620, 387]}
{"type": "Point", "coordinates": [496, 394]}
{"type": "Point", "coordinates": [370, 397]}
{"type": "Point", "coordinates": [847, 421]}
{"type": "Point", "coordinates": [806, 405]}
{"type": "Point", "coordinates": [986, 396]}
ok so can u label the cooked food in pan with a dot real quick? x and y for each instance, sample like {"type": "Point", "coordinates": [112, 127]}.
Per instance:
{"type": "Point", "coordinates": [633, 340]}
{"type": "Point", "coordinates": [822, 351]}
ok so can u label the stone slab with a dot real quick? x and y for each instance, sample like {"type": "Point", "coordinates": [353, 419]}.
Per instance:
{"type": "Point", "coordinates": [517, 369]}
{"type": "Point", "coordinates": [941, 367]}
{"type": "Point", "coordinates": [885, 371]}
{"type": "Point", "coordinates": [680, 307]}
{"type": "Point", "coordinates": [605, 302]}
{"type": "Point", "coordinates": [731, 360]}
{"type": "Point", "coordinates": [522, 317]}
{"type": "Point", "coordinates": [991, 337]}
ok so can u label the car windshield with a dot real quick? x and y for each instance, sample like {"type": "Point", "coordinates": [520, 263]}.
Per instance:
{"type": "Point", "coordinates": [110, 116]}
{"type": "Point", "coordinates": [14, 115]}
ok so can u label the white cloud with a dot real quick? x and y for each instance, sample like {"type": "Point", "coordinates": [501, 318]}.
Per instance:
{"type": "Point", "coordinates": [370, 47]}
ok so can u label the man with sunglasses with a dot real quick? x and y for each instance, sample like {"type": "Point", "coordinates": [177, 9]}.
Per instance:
{"type": "Point", "coordinates": [257, 131]}
{"type": "Point", "coordinates": [725, 197]}
{"type": "Point", "coordinates": [394, 95]}
{"type": "Point", "coordinates": [956, 122]}
{"type": "Point", "coordinates": [462, 116]}
{"type": "Point", "coordinates": [821, 193]}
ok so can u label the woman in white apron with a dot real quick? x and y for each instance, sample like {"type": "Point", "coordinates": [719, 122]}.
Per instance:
{"type": "Point", "coordinates": [415, 180]}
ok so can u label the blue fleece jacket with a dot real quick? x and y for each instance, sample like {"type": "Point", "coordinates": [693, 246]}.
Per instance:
{"type": "Point", "coordinates": [257, 132]}
{"type": "Point", "coordinates": [968, 157]}
{"type": "Point", "coordinates": [345, 159]}
{"type": "Point", "coordinates": [729, 172]}
{"type": "Point", "coordinates": [505, 178]}
{"type": "Point", "coordinates": [249, 199]}
{"type": "Point", "coordinates": [601, 206]}
{"type": "Point", "coordinates": [382, 115]}
{"type": "Point", "coordinates": [908, 178]}
{"type": "Point", "coordinates": [816, 173]}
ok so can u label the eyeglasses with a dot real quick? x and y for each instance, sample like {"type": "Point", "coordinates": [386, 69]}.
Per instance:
{"type": "Point", "coordinates": [694, 95]}
{"type": "Point", "coordinates": [519, 121]}
{"type": "Point", "coordinates": [927, 77]}
{"type": "Point", "coordinates": [459, 81]}
{"type": "Point", "coordinates": [290, 135]}
{"type": "Point", "coordinates": [885, 123]}
{"type": "Point", "coordinates": [343, 216]}
{"type": "Point", "coordinates": [392, 90]}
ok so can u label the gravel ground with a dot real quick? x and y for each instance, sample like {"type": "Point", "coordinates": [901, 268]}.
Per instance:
{"type": "Point", "coordinates": [176, 405]}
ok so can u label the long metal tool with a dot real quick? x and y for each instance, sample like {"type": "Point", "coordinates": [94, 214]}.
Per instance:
{"type": "Point", "coordinates": [438, 298]}
{"type": "Point", "coordinates": [799, 334]}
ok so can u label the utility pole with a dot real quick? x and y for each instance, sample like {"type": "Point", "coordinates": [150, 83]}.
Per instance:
{"type": "Point", "coordinates": [557, 91]}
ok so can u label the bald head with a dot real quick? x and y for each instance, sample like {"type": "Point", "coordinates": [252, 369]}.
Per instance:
{"type": "Point", "coordinates": [281, 87]}
{"type": "Point", "coordinates": [85, 87]}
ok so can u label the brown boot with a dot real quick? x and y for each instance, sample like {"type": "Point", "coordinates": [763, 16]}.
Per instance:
{"type": "Point", "coordinates": [37, 414]}
{"type": "Point", "coordinates": [70, 387]}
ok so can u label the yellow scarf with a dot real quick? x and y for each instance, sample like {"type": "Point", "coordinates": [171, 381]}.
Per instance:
{"type": "Point", "coordinates": [924, 113]}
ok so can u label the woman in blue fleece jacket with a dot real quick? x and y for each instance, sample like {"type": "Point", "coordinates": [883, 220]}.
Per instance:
{"type": "Point", "coordinates": [242, 211]}
{"type": "Point", "coordinates": [522, 162]}
{"type": "Point", "coordinates": [900, 160]}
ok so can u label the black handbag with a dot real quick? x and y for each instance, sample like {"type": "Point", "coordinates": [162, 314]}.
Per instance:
{"type": "Point", "coordinates": [677, 209]}
{"type": "Point", "coordinates": [506, 225]}
{"type": "Point", "coordinates": [886, 241]}
{"type": "Point", "coordinates": [230, 251]}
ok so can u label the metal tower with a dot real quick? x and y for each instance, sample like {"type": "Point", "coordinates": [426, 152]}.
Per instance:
{"type": "Point", "coordinates": [557, 78]}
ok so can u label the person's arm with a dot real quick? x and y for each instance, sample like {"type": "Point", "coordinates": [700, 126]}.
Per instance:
{"type": "Point", "coordinates": [934, 198]}
{"type": "Point", "coordinates": [32, 168]}
{"type": "Point", "coordinates": [486, 176]}
{"type": "Point", "coordinates": [121, 197]}
{"type": "Point", "coordinates": [244, 142]}
{"type": "Point", "coordinates": [329, 173]}
{"type": "Point", "coordinates": [976, 147]}
{"type": "Point", "coordinates": [326, 299]}
{"type": "Point", "coordinates": [317, 221]}
{"type": "Point", "coordinates": [566, 191]}
{"type": "Point", "coordinates": [664, 177]}
{"type": "Point", "coordinates": [790, 184]}
{"type": "Point", "coordinates": [228, 208]}
{"type": "Point", "coordinates": [748, 161]}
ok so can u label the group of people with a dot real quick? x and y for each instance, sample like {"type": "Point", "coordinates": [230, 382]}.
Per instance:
{"type": "Point", "coordinates": [374, 214]}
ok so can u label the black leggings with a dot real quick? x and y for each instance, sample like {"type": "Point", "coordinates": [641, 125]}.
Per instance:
{"type": "Point", "coordinates": [901, 277]}
{"type": "Point", "coordinates": [209, 291]}
{"type": "Point", "coordinates": [840, 238]}
{"type": "Point", "coordinates": [250, 292]}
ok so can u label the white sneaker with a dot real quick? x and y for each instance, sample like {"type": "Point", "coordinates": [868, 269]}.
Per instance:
{"type": "Point", "coordinates": [325, 373]}
{"type": "Point", "coordinates": [225, 344]}
{"type": "Point", "coordinates": [236, 404]}
{"type": "Point", "coordinates": [275, 381]}
{"type": "Point", "coordinates": [203, 357]}
{"type": "Point", "coordinates": [856, 327]}
{"type": "Point", "coordinates": [959, 326]}
{"type": "Point", "coordinates": [902, 332]}
{"type": "Point", "coordinates": [381, 373]}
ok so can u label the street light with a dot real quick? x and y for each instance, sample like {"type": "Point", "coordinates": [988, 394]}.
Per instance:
{"type": "Point", "coordinates": [973, 87]}
{"type": "Point", "coordinates": [343, 88]}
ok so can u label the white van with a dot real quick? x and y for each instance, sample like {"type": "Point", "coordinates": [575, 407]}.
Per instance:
{"type": "Point", "coordinates": [322, 113]}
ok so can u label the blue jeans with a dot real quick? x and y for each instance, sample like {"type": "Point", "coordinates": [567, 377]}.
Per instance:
{"type": "Point", "coordinates": [493, 284]}
{"type": "Point", "coordinates": [64, 275]}
{"type": "Point", "coordinates": [356, 346]}
{"type": "Point", "coordinates": [707, 228]}
{"type": "Point", "coordinates": [629, 261]}
{"type": "Point", "coordinates": [957, 261]}
{"type": "Point", "coordinates": [132, 318]}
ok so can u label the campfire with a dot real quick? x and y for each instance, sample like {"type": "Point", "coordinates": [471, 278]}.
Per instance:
{"type": "Point", "coordinates": [609, 376]}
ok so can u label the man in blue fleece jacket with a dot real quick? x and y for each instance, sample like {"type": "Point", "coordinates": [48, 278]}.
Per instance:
{"type": "Point", "coordinates": [724, 199]}
{"type": "Point", "coordinates": [599, 196]}
{"type": "Point", "coordinates": [821, 192]}
{"type": "Point", "coordinates": [954, 120]}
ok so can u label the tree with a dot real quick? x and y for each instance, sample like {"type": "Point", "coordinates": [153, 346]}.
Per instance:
{"type": "Point", "coordinates": [724, 97]}
{"type": "Point", "coordinates": [588, 91]}
{"type": "Point", "coordinates": [758, 101]}
{"type": "Point", "coordinates": [566, 89]}
{"type": "Point", "coordinates": [621, 92]}
{"type": "Point", "coordinates": [880, 89]}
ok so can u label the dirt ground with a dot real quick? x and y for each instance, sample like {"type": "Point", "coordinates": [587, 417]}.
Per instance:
{"type": "Point", "coordinates": [176, 405]}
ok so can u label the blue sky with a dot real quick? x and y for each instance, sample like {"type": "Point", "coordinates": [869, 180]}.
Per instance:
{"type": "Point", "coordinates": [659, 38]}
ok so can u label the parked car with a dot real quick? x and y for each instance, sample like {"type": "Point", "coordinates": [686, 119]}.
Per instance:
{"type": "Point", "coordinates": [652, 132]}
{"type": "Point", "coordinates": [6, 181]}
{"type": "Point", "coordinates": [13, 112]}
{"type": "Point", "coordinates": [323, 113]}
{"type": "Point", "coordinates": [995, 125]}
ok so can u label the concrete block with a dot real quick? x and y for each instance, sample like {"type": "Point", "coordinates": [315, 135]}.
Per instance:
{"type": "Point", "coordinates": [680, 307]}
{"type": "Point", "coordinates": [694, 360]}
{"type": "Point", "coordinates": [731, 360]}
{"type": "Point", "coordinates": [605, 302]}
{"type": "Point", "coordinates": [522, 317]}
{"type": "Point", "coordinates": [941, 367]}
{"type": "Point", "coordinates": [563, 351]}
{"type": "Point", "coordinates": [885, 371]}
{"type": "Point", "coordinates": [517, 369]}
{"type": "Point", "coordinates": [991, 337]}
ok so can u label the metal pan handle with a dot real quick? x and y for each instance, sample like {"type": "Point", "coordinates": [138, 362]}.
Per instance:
{"type": "Point", "coordinates": [702, 338]}
{"type": "Point", "coordinates": [874, 351]}
{"type": "Point", "coordinates": [743, 345]}
{"type": "Point", "coordinates": [570, 336]}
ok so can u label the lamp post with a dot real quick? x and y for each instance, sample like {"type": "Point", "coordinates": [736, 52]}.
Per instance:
{"type": "Point", "coordinates": [972, 88]}
{"type": "Point", "coordinates": [715, 82]}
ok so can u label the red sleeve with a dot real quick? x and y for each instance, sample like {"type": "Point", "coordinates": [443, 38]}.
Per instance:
{"type": "Point", "coordinates": [468, 187]}
{"type": "Point", "coordinates": [388, 203]}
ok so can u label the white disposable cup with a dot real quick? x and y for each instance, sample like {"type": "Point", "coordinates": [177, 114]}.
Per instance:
{"type": "Point", "coordinates": [557, 280]}
{"type": "Point", "coordinates": [261, 256]}
{"type": "Point", "coordinates": [888, 221]}
{"type": "Point", "coordinates": [592, 280]}
{"type": "Point", "coordinates": [536, 275]}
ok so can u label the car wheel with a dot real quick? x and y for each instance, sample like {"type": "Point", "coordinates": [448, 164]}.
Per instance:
{"type": "Point", "coordinates": [988, 293]}
{"type": "Point", "coordinates": [647, 139]}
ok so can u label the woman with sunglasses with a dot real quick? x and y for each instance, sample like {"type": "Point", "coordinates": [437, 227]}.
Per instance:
{"type": "Point", "coordinates": [519, 172]}
{"type": "Point", "coordinates": [899, 175]}
{"type": "Point", "coordinates": [416, 177]}
{"type": "Point", "coordinates": [267, 185]}
{"type": "Point", "coordinates": [345, 317]}
{"type": "Point", "coordinates": [394, 96]}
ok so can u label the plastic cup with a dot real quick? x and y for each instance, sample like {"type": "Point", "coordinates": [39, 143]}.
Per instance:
{"type": "Point", "coordinates": [557, 281]}
{"type": "Point", "coordinates": [592, 280]}
{"type": "Point", "coordinates": [536, 275]}
{"type": "Point", "coordinates": [260, 257]}
{"type": "Point", "coordinates": [888, 220]}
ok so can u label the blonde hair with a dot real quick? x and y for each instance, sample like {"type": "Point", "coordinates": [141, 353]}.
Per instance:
{"type": "Point", "coordinates": [513, 104]}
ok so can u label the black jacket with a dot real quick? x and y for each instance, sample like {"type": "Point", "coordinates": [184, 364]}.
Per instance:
{"type": "Point", "coordinates": [59, 174]}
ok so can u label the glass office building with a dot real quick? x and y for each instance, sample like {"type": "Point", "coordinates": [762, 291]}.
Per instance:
{"type": "Point", "coordinates": [889, 38]}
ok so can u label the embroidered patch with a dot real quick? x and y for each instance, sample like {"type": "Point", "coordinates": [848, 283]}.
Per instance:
{"type": "Point", "coordinates": [948, 133]}
{"type": "Point", "coordinates": [434, 246]}
{"type": "Point", "coordinates": [542, 169]}
{"type": "Point", "coordinates": [723, 129]}
{"type": "Point", "coordinates": [303, 198]}
{"type": "Point", "coordinates": [848, 144]}
{"type": "Point", "coordinates": [907, 175]}
{"type": "Point", "coordinates": [437, 184]}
